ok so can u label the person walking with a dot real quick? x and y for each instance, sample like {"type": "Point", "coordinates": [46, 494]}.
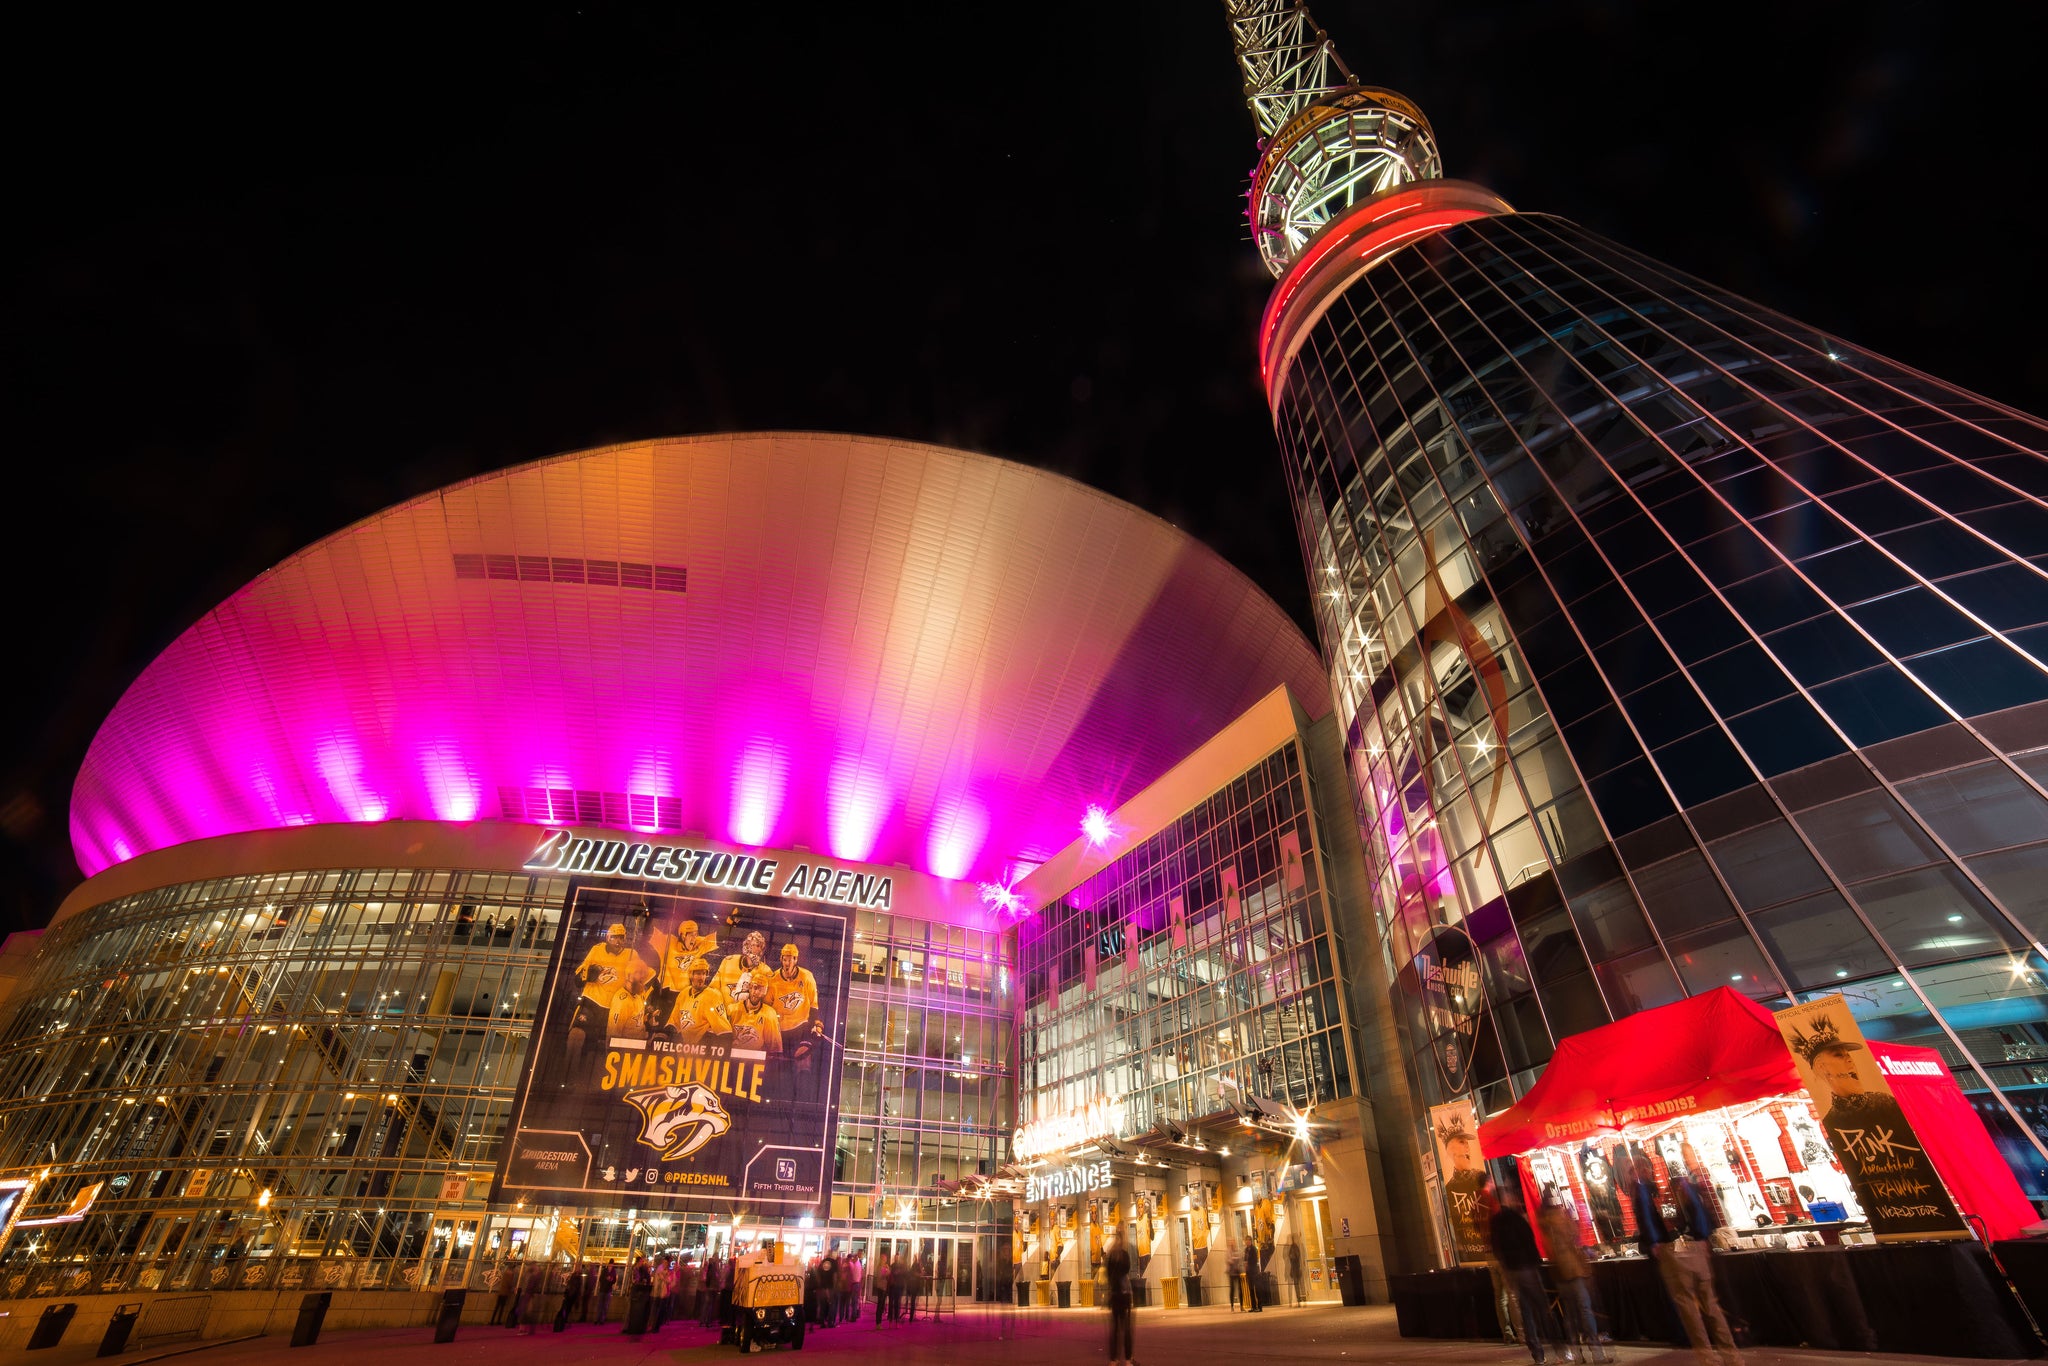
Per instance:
{"type": "Point", "coordinates": [899, 1285]}
{"type": "Point", "coordinates": [525, 1289]}
{"type": "Point", "coordinates": [1561, 1235]}
{"type": "Point", "coordinates": [842, 1288]}
{"type": "Point", "coordinates": [1514, 1248]}
{"type": "Point", "coordinates": [502, 1279]}
{"type": "Point", "coordinates": [1116, 1278]}
{"type": "Point", "coordinates": [1235, 1271]}
{"type": "Point", "coordinates": [881, 1280]}
{"type": "Point", "coordinates": [664, 1286]}
{"type": "Point", "coordinates": [573, 1291]}
{"type": "Point", "coordinates": [1675, 1232]}
{"type": "Point", "coordinates": [707, 1295]}
{"type": "Point", "coordinates": [607, 1282]}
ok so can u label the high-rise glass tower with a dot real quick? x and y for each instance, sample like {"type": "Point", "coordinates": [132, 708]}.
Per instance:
{"type": "Point", "coordinates": [1678, 644]}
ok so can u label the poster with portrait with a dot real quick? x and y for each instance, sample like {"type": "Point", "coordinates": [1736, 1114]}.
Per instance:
{"type": "Point", "coordinates": [1893, 1177]}
{"type": "Point", "coordinates": [1454, 1129]}
{"type": "Point", "coordinates": [685, 1052]}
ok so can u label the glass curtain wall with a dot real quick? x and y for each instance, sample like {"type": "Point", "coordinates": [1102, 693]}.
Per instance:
{"type": "Point", "coordinates": [1199, 967]}
{"type": "Point", "coordinates": [1679, 645]}
{"type": "Point", "coordinates": [927, 1101]}
{"type": "Point", "coordinates": [303, 1079]}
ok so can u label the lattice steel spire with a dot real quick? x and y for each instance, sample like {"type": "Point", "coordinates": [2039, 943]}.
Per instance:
{"type": "Point", "coordinates": [1326, 141]}
{"type": "Point", "coordinates": [1288, 61]}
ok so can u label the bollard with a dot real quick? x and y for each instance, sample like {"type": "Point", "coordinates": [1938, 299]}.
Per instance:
{"type": "Point", "coordinates": [50, 1327]}
{"type": "Point", "coordinates": [312, 1311]}
{"type": "Point", "coordinates": [118, 1329]}
{"type": "Point", "coordinates": [450, 1317]}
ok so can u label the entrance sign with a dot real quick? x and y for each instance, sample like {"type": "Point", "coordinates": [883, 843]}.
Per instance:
{"type": "Point", "coordinates": [1895, 1181]}
{"type": "Point", "coordinates": [686, 1049]}
{"type": "Point", "coordinates": [1078, 1179]}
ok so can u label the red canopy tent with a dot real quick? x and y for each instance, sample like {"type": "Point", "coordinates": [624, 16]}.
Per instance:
{"type": "Point", "coordinates": [1694, 1055]}
{"type": "Point", "coordinates": [1954, 1137]}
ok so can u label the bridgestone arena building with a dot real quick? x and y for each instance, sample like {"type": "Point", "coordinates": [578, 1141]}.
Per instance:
{"type": "Point", "coordinates": [684, 843]}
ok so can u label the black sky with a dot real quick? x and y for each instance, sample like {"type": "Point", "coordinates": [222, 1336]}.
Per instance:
{"type": "Point", "coordinates": [265, 276]}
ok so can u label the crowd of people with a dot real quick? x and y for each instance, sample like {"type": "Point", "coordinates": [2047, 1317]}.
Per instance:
{"type": "Point", "coordinates": [697, 1288]}
{"type": "Point", "coordinates": [1674, 1228]}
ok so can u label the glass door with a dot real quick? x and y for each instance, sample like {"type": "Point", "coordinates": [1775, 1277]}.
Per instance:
{"type": "Point", "coordinates": [1319, 1267]}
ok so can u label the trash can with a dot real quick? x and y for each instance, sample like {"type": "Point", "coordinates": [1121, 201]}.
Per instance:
{"type": "Point", "coordinates": [50, 1327]}
{"type": "Point", "coordinates": [118, 1329]}
{"type": "Point", "coordinates": [639, 1306]}
{"type": "Point", "coordinates": [1350, 1274]}
{"type": "Point", "coordinates": [450, 1316]}
{"type": "Point", "coordinates": [312, 1312]}
{"type": "Point", "coordinates": [1138, 1293]}
{"type": "Point", "coordinates": [1169, 1293]}
{"type": "Point", "coordinates": [1066, 1294]}
{"type": "Point", "coordinates": [1023, 1294]}
{"type": "Point", "coordinates": [1194, 1290]}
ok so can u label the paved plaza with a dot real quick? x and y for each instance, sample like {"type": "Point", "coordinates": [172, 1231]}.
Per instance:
{"type": "Point", "coordinates": [983, 1335]}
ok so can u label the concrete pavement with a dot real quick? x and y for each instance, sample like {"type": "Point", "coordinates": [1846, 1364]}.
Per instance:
{"type": "Point", "coordinates": [989, 1335]}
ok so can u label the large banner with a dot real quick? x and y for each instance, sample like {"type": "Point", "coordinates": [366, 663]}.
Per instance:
{"type": "Point", "coordinates": [1455, 1128]}
{"type": "Point", "coordinates": [1895, 1181]}
{"type": "Point", "coordinates": [687, 1049]}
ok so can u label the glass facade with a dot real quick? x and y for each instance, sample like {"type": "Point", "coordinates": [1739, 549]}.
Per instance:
{"type": "Point", "coordinates": [1677, 645]}
{"type": "Point", "coordinates": [1197, 967]}
{"type": "Point", "coordinates": [303, 1079]}
{"type": "Point", "coordinates": [1194, 985]}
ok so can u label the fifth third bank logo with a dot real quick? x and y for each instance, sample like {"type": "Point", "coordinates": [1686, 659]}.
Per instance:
{"type": "Point", "coordinates": [785, 1169]}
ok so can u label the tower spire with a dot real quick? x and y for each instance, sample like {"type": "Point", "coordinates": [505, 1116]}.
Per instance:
{"type": "Point", "coordinates": [1326, 141]}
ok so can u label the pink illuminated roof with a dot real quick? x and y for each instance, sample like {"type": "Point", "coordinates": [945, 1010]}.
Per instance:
{"type": "Point", "coordinates": [892, 652]}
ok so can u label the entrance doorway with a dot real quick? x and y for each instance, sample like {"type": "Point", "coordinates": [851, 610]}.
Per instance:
{"type": "Point", "coordinates": [1319, 1258]}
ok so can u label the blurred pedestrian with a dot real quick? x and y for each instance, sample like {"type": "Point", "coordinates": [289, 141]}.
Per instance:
{"type": "Point", "coordinates": [573, 1291]}
{"type": "Point", "coordinates": [1514, 1248]}
{"type": "Point", "coordinates": [607, 1282]}
{"type": "Point", "coordinates": [1561, 1234]}
{"type": "Point", "coordinates": [1116, 1274]}
{"type": "Point", "coordinates": [1675, 1232]}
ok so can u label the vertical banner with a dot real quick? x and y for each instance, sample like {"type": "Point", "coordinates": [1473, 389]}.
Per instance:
{"type": "Point", "coordinates": [1895, 1180]}
{"type": "Point", "coordinates": [686, 1049]}
{"type": "Point", "coordinates": [1456, 1132]}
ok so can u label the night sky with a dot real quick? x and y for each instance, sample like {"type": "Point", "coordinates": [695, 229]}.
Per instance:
{"type": "Point", "coordinates": [266, 276]}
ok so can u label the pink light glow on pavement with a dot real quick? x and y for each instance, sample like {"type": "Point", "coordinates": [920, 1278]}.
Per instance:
{"type": "Point", "coordinates": [898, 653]}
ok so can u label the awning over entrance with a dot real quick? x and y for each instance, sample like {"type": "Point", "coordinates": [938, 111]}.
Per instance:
{"type": "Point", "coordinates": [1698, 1054]}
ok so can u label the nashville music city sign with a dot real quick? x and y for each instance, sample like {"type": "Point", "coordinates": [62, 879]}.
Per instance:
{"type": "Point", "coordinates": [565, 851]}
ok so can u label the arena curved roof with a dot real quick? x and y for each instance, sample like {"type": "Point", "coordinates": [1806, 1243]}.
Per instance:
{"type": "Point", "coordinates": [892, 652]}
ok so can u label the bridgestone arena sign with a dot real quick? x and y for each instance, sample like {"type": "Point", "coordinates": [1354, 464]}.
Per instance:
{"type": "Point", "coordinates": [564, 851]}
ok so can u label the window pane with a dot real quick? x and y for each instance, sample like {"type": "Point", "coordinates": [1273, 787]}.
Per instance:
{"type": "Point", "coordinates": [2019, 879]}
{"type": "Point", "coordinates": [1680, 894]}
{"type": "Point", "coordinates": [1978, 808]}
{"type": "Point", "coordinates": [1611, 922]}
{"type": "Point", "coordinates": [1868, 833]}
{"type": "Point", "coordinates": [1819, 941]}
{"type": "Point", "coordinates": [1767, 865]}
{"type": "Point", "coordinates": [1932, 915]}
{"type": "Point", "coordinates": [1641, 981]}
{"type": "Point", "coordinates": [1724, 957]}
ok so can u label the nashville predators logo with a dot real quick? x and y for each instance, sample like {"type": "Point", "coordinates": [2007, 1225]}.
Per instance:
{"type": "Point", "coordinates": [676, 1121]}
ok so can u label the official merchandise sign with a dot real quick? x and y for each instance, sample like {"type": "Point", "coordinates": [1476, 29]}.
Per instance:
{"type": "Point", "coordinates": [1454, 1130]}
{"type": "Point", "coordinates": [686, 1050]}
{"type": "Point", "coordinates": [1894, 1179]}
